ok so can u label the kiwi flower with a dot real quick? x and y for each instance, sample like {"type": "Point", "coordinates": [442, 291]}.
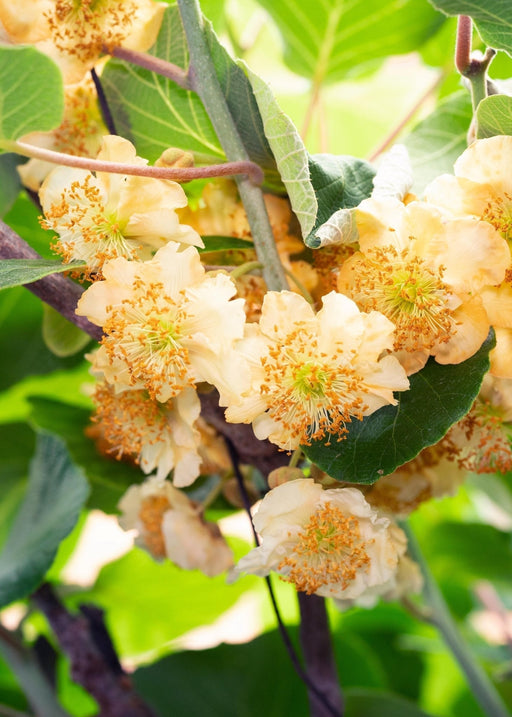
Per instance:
{"type": "Point", "coordinates": [311, 374]}
{"type": "Point", "coordinates": [328, 542]}
{"type": "Point", "coordinates": [103, 216]}
{"type": "Point", "coordinates": [168, 325]}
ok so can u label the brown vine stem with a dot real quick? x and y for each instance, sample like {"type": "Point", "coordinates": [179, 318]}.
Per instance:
{"type": "Point", "coordinates": [398, 129]}
{"type": "Point", "coordinates": [463, 44]}
{"type": "Point", "coordinates": [153, 64]}
{"type": "Point", "coordinates": [55, 290]}
{"type": "Point", "coordinates": [178, 174]}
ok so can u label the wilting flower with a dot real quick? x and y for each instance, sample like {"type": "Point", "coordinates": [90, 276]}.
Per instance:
{"type": "Point", "coordinates": [425, 273]}
{"type": "Point", "coordinates": [312, 374]}
{"type": "Point", "coordinates": [161, 436]}
{"type": "Point", "coordinates": [167, 325]}
{"type": "Point", "coordinates": [328, 542]}
{"type": "Point", "coordinates": [170, 526]}
{"type": "Point", "coordinates": [104, 216]}
{"type": "Point", "coordinates": [76, 32]}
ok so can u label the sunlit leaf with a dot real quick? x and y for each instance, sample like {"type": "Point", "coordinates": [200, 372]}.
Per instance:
{"type": "Point", "coordinates": [29, 101]}
{"type": "Point", "coordinates": [327, 41]}
{"type": "Point", "coordinates": [438, 397]}
{"type": "Point", "coordinates": [494, 116]}
{"type": "Point", "coordinates": [55, 494]}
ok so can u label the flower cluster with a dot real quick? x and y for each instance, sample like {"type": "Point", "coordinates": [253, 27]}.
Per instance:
{"type": "Point", "coordinates": [415, 279]}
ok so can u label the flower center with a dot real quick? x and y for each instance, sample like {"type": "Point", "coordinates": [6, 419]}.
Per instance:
{"type": "Point", "coordinates": [151, 514]}
{"type": "Point", "coordinates": [410, 293]}
{"type": "Point", "coordinates": [489, 449]}
{"type": "Point", "coordinates": [146, 333]}
{"type": "Point", "coordinates": [309, 393]}
{"type": "Point", "coordinates": [499, 213]}
{"type": "Point", "coordinates": [329, 552]}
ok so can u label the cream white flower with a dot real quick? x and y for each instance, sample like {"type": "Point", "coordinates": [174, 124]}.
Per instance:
{"type": "Point", "coordinates": [169, 525]}
{"type": "Point", "coordinates": [312, 374]}
{"type": "Point", "coordinates": [426, 272]}
{"type": "Point", "coordinates": [167, 325]}
{"type": "Point", "coordinates": [105, 216]}
{"type": "Point", "coordinates": [161, 436]}
{"type": "Point", "coordinates": [328, 542]}
{"type": "Point", "coordinates": [76, 32]}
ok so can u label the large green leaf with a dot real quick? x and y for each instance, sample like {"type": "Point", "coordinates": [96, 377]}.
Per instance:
{"type": "Point", "coordinates": [55, 494]}
{"type": "Point", "coordinates": [16, 272]}
{"type": "Point", "coordinates": [17, 443]}
{"type": "Point", "coordinates": [152, 110]}
{"type": "Point", "coordinates": [340, 182]}
{"type": "Point", "coordinates": [493, 19]}
{"type": "Point", "coordinates": [436, 142]}
{"type": "Point", "coordinates": [30, 100]}
{"type": "Point", "coordinates": [109, 478]}
{"type": "Point", "coordinates": [327, 41]}
{"type": "Point", "coordinates": [438, 397]}
{"type": "Point", "coordinates": [150, 603]}
{"type": "Point", "coordinates": [227, 681]}
{"type": "Point", "coordinates": [494, 116]}
{"type": "Point", "coordinates": [10, 183]}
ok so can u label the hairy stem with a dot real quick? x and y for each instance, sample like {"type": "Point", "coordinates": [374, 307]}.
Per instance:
{"type": "Point", "coordinates": [153, 64]}
{"type": "Point", "coordinates": [472, 66]}
{"type": "Point", "coordinates": [253, 172]}
{"type": "Point", "coordinates": [463, 43]}
{"type": "Point", "coordinates": [58, 292]}
{"type": "Point", "coordinates": [203, 79]}
{"type": "Point", "coordinates": [439, 616]}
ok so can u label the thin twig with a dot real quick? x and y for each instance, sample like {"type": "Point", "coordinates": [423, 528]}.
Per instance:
{"type": "Point", "coordinates": [153, 64]}
{"type": "Point", "coordinates": [113, 691]}
{"type": "Point", "coordinates": [294, 658]}
{"type": "Point", "coordinates": [57, 291]}
{"type": "Point", "coordinates": [178, 174]}
{"type": "Point", "coordinates": [398, 129]}
{"type": "Point", "coordinates": [106, 114]}
{"type": "Point", "coordinates": [463, 44]}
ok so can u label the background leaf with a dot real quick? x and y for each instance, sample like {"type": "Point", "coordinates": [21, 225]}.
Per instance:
{"type": "Point", "coordinates": [10, 183]}
{"type": "Point", "coordinates": [61, 336]}
{"type": "Point", "coordinates": [436, 142]}
{"type": "Point", "coordinates": [438, 397]}
{"type": "Point", "coordinates": [55, 494]}
{"type": "Point", "coordinates": [29, 101]}
{"type": "Point", "coordinates": [327, 41]}
{"type": "Point", "coordinates": [494, 116]}
{"type": "Point", "coordinates": [366, 703]}
{"type": "Point", "coordinates": [493, 19]}
{"type": "Point", "coordinates": [16, 272]}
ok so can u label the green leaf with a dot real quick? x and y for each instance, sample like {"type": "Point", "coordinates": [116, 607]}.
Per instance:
{"type": "Point", "coordinates": [436, 142]}
{"type": "Point", "coordinates": [30, 100]}
{"type": "Point", "coordinates": [492, 17]}
{"type": "Point", "coordinates": [109, 478]}
{"type": "Point", "coordinates": [340, 182]}
{"type": "Point", "coordinates": [438, 397]}
{"type": "Point", "coordinates": [55, 494]}
{"type": "Point", "coordinates": [152, 110]}
{"type": "Point", "coordinates": [494, 116]}
{"type": "Point", "coordinates": [10, 183]}
{"type": "Point", "coordinates": [220, 243]}
{"type": "Point", "coordinates": [290, 154]}
{"type": "Point", "coordinates": [226, 680]}
{"type": "Point", "coordinates": [23, 219]}
{"type": "Point", "coordinates": [326, 41]}
{"type": "Point", "coordinates": [16, 272]}
{"type": "Point", "coordinates": [17, 442]}
{"type": "Point", "coordinates": [149, 603]}
{"type": "Point", "coordinates": [61, 336]}
{"type": "Point", "coordinates": [370, 703]}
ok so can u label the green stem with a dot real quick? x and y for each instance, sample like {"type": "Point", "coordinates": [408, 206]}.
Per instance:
{"type": "Point", "coordinates": [203, 79]}
{"type": "Point", "coordinates": [481, 686]}
{"type": "Point", "coordinates": [245, 269]}
{"type": "Point", "coordinates": [35, 685]}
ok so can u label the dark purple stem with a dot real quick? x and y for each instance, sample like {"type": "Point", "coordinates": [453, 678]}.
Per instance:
{"type": "Point", "coordinates": [113, 691]}
{"type": "Point", "coordinates": [315, 637]}
{"type": "Point", "coordinates": [463, 44]}
{"type": "Point", "coordinates": [55, 290]}
{"type": "Point", "coordinates": [153, 64]}
{"type": "Point", "coordinates": [106, 114]}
